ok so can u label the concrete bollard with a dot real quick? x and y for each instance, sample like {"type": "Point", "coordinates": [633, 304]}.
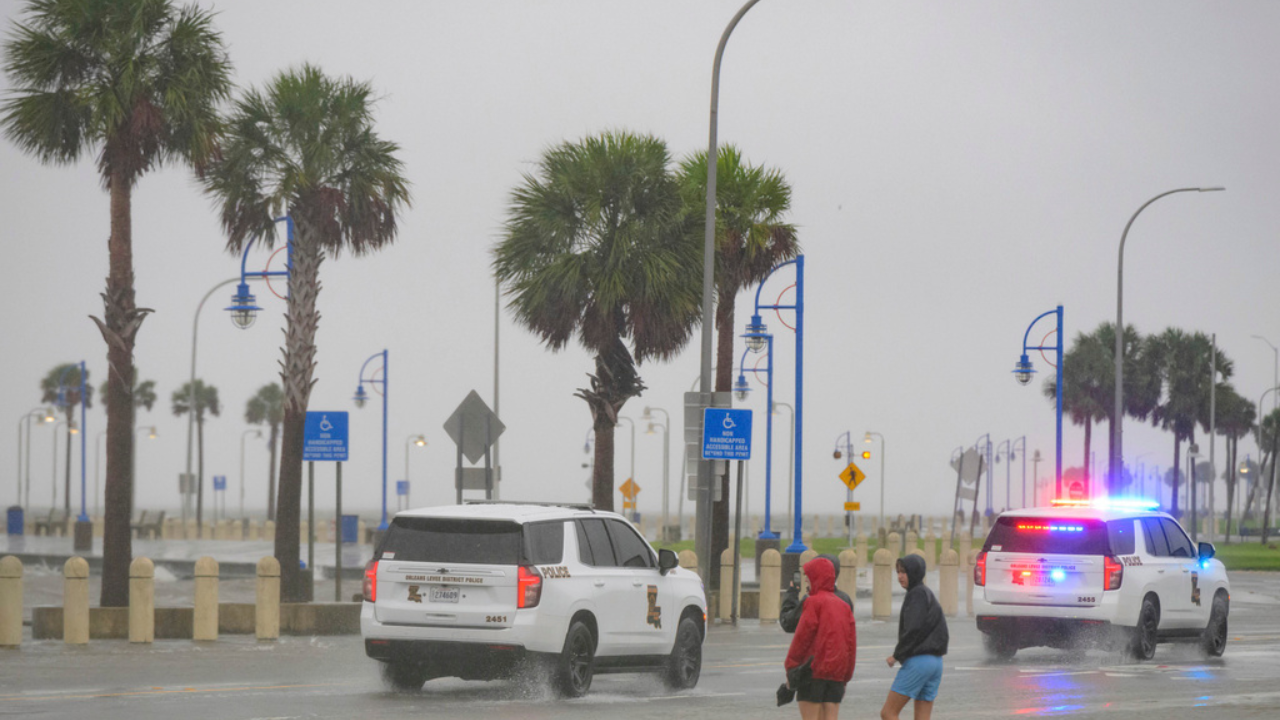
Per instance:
{"type": "Point", "coordinates": [894, 544]}
{"type": "Point", "coordinates": [920, 554]}
{"type": "Point", "coordinates": [965, 545]}
{"type": "Point", "coordinates": [269, 530]}
{"type": "Point", "coordinates": [913, 542]}
{"type": "Point", "coordinates": [726, 581]}
{"type": "Point", "coordinates": [770, 586]}
{"type": "Point", "coordinates": [881, 590]}
{"type": "Point", "coordinates": [847, 580]}
{"type": "Point", "coordinates": [862, 526]}
{"type": "Point", "coordinates": [142, 601]}
{"type": "Point", "coordinates": [75, 602]}
{"type": "Point", "coordinates": [99, 525]}
{"type": "Point", "coordinates": [10, 601]}
{"type": "Point", "coordinates": [251, 530]}
{"type": "Point", "coordinates": [267, 606]}
{"type": "Point", "coordinates": [322, 531]}
{"type": "Point", "coordinates": [205, 624]}
{"type": "Point", "coordinates": [860, 549]}
{"type": "Point", "coordinates": [360, 531]}
{"type": "Point", "coordinates": [191, 532]}
{"type": "Point", "coordinates": [689, 560]}
{"type": "Point", "coordinates": [970, 559]}
{"type": "Point", "coordinates": [303, 529]}
{"type": "Point", "coordinates": [805, 557]}
{"type": "Point", "coordinates": [930, 550]}
{"type": "Point", "coordinates": [947, 579]}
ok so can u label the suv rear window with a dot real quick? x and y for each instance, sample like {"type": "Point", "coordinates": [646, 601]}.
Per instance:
{"type": "Point", "coordinates": [1063, 536]}
{"type": "Point", "coordinates": [544, 542]}
{"type": "Point", "coordinates": [450, 540]}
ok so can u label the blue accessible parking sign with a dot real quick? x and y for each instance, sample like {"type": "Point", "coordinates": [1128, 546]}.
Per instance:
{"type": "Point", "coordinates": [324, 437]}
{"type": "Point", "coordinates": [726, 434]}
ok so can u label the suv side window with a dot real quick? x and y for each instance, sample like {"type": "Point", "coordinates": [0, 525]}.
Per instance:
{"type": "Point", "coordinates": [597, 543]}
{"type": "Point", "coordinates": [544, 542]}
{"type": "Point", "coordinates": [1121, 536]}
{"type": "Point", "coordinates": [1179, 544]}
{"type": "Point", "coordinates": [631, 551]}
{"type": "Point", "coordinates": [1156, 544]}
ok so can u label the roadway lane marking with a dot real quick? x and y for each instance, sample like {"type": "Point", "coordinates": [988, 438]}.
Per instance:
{"type": "Point", "coordinates": [137, 693]}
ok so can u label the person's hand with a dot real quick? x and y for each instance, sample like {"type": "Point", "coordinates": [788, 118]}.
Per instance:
{"type": "Point", "coordinates": [890, 660]}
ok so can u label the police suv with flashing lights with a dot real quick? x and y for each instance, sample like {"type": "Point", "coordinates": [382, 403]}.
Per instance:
{"type": "Point", "coordinates": [1117, 574]}
{"type": "Point", "coordinates": [487, 590]}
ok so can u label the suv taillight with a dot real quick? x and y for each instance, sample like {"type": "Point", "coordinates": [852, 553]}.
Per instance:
{"type": "Point", "coordinates": [980, 570]}
{"type": "Point", "coordinates": [528, 587]}
{"type": "Point", "coordinates": [370, 587]}
{"type": "Point", "coordinates": [1112, 573]}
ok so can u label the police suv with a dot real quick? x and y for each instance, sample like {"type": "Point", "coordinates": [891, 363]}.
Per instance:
{"type": "Point", "coordinates": [1115, 574]}
{"type": "Point", "coordinates": [486, 590]}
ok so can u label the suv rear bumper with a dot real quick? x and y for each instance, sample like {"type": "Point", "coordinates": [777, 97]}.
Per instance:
{"type": "Point", "coordinates": [1053, 632]}
{"type": "Point", "coordinates": [469, 661]}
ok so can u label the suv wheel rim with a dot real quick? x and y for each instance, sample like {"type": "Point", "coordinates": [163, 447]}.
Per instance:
{"type": "Point", "coordinates": [1148, 637]}
{"type": "Point", "coordinates": [580, 662]}
{"type": "Point", "coordinates": [689, 658]}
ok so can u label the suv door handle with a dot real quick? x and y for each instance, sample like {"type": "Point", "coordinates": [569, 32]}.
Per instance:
{"type": "Point", "coordinates": [598, 583]}
{"type": "Point", "coordinates": [1161, 571]}
{"type": "Point", "coordinates": [637, 583]}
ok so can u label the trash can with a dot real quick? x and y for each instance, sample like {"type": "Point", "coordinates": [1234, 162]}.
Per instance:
{"type": "Point", "coordinates": [350, 529]}
{"type": "Point", "coordinates": [13, 520]}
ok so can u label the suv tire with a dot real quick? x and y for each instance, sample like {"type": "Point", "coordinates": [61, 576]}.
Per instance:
{"type": "Point", "coordinates": [1214, 640]}
{"type": "Point", "coordinates": [1143, 645]}
{"type": "Point", "coordinates": [404, 676]}
{"type": "Point", "coordinates": [577, 661]}
{"type": "Point", "coordinates": [999, 646]}
{"type": "Point", "coordinates": [685, 664]}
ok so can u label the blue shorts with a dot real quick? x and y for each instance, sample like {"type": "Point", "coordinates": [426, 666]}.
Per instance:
{"type": "Point", "coordinates": [919, 678]}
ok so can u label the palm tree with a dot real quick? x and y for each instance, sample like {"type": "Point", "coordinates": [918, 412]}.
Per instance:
{"type": "Point", "coordinates": [305, 146]}
{"type": "Point", "coordinates": [1085, 367]}
{"type": "Point", "coordinates": [144, 396]}
{"type": "Point", "coordinates": [61, 387]}
{"type": "Point", "coordinates": [1269, 443]}
{"type": "Point", "coordinates": [1235, 420]}
{"type": "Point", "coordinates": [751, 239]}
{"type": "Point", "coordinates": [267, 406]}
{"type": "Point", "coordinates": [137, 82]}
{"type": "Point", "coordinates": [596, 247]}
{"type": "Point", "coordinates": [206, 401]}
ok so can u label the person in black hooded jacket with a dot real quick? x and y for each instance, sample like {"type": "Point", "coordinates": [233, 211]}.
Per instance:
{"type": "Point", "coordinates": [793, 604]}
{"type": "Point", "coordinates": [922, 641]}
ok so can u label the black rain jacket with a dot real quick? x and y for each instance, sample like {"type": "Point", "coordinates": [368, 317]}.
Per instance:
{"type": "Point", "coordinates": [922, 629]}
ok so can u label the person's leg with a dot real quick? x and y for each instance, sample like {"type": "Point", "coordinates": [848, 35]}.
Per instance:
{"type": "Point", "coordinates": [924, 709]}
{"type": "Point", "coordinates": [830, 711]}
{"type": "Point", "coordinates": [893, 705]}
{"type": "Point", "coordinates": [809, 710]}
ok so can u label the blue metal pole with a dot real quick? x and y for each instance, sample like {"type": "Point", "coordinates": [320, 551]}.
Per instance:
{"type": "Point", "coordinates": [84, 434]}
{"type": "Point", "coordinates": [768, 534]}
{"type": "Point", "coordinates": [386, 390]}
{"type": "Point", "coordinates": [1058, 439]}
{"type": "Point", "coordinates": [797, 544]}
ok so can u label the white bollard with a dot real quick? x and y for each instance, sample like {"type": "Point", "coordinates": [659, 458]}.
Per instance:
{"type": "Point", "coordinates": [267, 606]}
{"type": "Point", "coordinates": [881, 591]}
{"type": "Point", "coordinates": [10, 601]}
{"type": "Point", "coordinates": [847, 580]}
{"type": "Point", "coordinates": [205, 624]}
{"type": "Point", "coordinates": [75, 602]}
{"type": "Point", "coordinates": [947, 582]}
{"type": "Point", "coordinates": [142, 600]}
{"type": "Point", "coordinates": [805, 557]}
{"type": "Point", "coordinates": [770, 586]}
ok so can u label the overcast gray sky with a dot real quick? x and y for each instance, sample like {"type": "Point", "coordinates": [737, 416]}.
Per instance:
{"type": "Point", "coordinates": [958, 168]}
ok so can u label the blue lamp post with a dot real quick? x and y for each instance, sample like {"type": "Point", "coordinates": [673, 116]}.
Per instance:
{"type": "Point", "coordinates": [756, 342]}
{"type": "Point", "coordinates": [1023, 371]}
{"type": "Point", "coordinates": [360, 398]}
{"type": "Point", "coordinates": [754, 337]}
{"type": "Point", "coordinates": [244, 308]}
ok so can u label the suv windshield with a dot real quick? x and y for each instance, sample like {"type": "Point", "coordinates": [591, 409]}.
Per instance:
{"type": "Point", "coordinates": [483, 542]}
{"type": "Point", "coordinates": [1063, 536]}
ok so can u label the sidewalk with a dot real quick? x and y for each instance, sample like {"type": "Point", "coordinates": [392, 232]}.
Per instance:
{"type": "Point", "coordinates": [236, 558]}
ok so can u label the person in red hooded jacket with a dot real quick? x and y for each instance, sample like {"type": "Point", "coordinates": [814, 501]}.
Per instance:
{"type": "Point", "coordinates": [828, 638]}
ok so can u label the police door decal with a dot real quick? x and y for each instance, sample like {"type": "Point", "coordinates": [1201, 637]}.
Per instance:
{"type": "Point", "coordinates": [654, 617]}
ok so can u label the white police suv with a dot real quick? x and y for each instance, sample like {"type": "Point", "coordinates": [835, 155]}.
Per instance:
{"type": "Point", "coordinates": [483, 590]}
{"type": "Point", "coordinates": [1115, 574]}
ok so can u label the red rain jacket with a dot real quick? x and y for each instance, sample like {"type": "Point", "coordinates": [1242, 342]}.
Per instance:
{"type": "Point", "coordinates": [826, 632]}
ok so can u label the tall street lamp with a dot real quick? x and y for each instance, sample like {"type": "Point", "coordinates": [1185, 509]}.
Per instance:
{"type": "Point", "coordinates": [53, 479]}
{"type": "Point", "coordinates": [1117, 422]}
{"type": "Point", "coordinates": [756, 339]}
{"type": "Point", "coordinates": [1276, 374]}
{"type": "Point", "coordinates": [847, 437]}
{"type": "Point", "coordinates": [1023, 372]}
{"type": "Point", "coordinates": [867, 439]}
{"type": "Point", "coordinates": [44, 415]}
{"type": "Point", "coordinates": [360, 398]}
{"type": "Point", "coordinates": [257, 434]}
{"type": "Point", "coordinates": [412, 441]}
{"type": "Point", "coordinates": [1035, 479]}
{"type": "Point", "coordinates": [632, 475]}
{"type": "Point", "coordinates": [791, 455]}
{"type": "Point", "coordinates": [666, 462]}
{"type": "Point", "coordinates": [755, 332]}
{"type": "Point", "coordinates": [703, 542]}
{"type": "Point", "coordinates": [72, 429]}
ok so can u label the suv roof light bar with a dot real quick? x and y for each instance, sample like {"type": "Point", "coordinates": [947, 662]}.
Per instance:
{"type": "Point", "coordinates": [574, 506]}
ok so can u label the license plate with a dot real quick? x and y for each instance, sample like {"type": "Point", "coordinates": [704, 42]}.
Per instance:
{"type": "Point", "coordinates": [445, 594]}
{"type": "Point", "coordinates": [1033, 579]}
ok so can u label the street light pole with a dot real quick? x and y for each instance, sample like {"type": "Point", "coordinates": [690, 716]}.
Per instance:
{"type": "Point", "coordinates": [1117, 420]}
{"type": "Point", "coordinates": [632, 475]}
{"type": "Point", "coordinates": [791, 454]}
{"type": "Point", "coordinates": [24, 498]}
{"type": "Point", "coordinates": [1022, 372]}
{"type": "Point", "coordinates": [420, 441]}
{"type": "Point", "coordinates": [666, 462]}
{"type": "Point", "coordinates": [867, 439]}
{"type": "Point", "coordinates": [753, 341]}
{"type": "Point", "coordinates": [360, 398]}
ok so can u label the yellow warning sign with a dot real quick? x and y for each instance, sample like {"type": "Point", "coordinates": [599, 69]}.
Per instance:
{"type": "Point", "coordinates": [852, 476]}
{"type": "Point", "coordinates": [852, 506]}
{"type": "Point", "coordinates": [629, 489]}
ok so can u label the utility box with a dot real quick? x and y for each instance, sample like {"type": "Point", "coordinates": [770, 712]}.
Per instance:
{"type": "Point", "coordinates": [14, 520]}
{"type": "Point", "coordinates": [350, 529]}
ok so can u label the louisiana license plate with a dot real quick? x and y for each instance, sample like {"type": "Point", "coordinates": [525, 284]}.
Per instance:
{"type": "Point", "coordinates": [1032, 579]}
{"type": "Point", "coordinates": [445, 594]}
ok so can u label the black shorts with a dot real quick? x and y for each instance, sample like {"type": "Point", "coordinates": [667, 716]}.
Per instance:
{"type": "Point", "coordinates": [821, 691]}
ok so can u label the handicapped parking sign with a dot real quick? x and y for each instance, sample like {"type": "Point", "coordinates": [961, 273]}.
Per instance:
{"type": "Point", "coordinates": [726, 434]}
{"type": "Point", "coordinates": [324, 437]}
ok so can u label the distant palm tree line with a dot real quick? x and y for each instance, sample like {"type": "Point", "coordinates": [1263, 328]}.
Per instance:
{"type": "Point", "coordinates": [1167, 382]}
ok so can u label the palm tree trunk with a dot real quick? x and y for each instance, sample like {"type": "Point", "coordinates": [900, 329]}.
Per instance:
{"type": "Point", "coordinates": [296, 375]}
{"type": "Point", "coordinates": [271, 472]}
{"type": "Point", "coordinates": [1231, 487]}
{"type": "Point", "coordinates": [1177, 454]}
{"type": "Point", "coordinates": [1088, 447]}
{"type": "Point", "coordinates": [602, 469]}
{"type": "Point", "coordinates": [1271, 484]}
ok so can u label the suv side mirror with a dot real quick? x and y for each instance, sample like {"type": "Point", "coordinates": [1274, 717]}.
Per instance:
{"type": "Point", "coordinates": [1206, 551]}
{"type": "Point", "coordinates": [667, 560]}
